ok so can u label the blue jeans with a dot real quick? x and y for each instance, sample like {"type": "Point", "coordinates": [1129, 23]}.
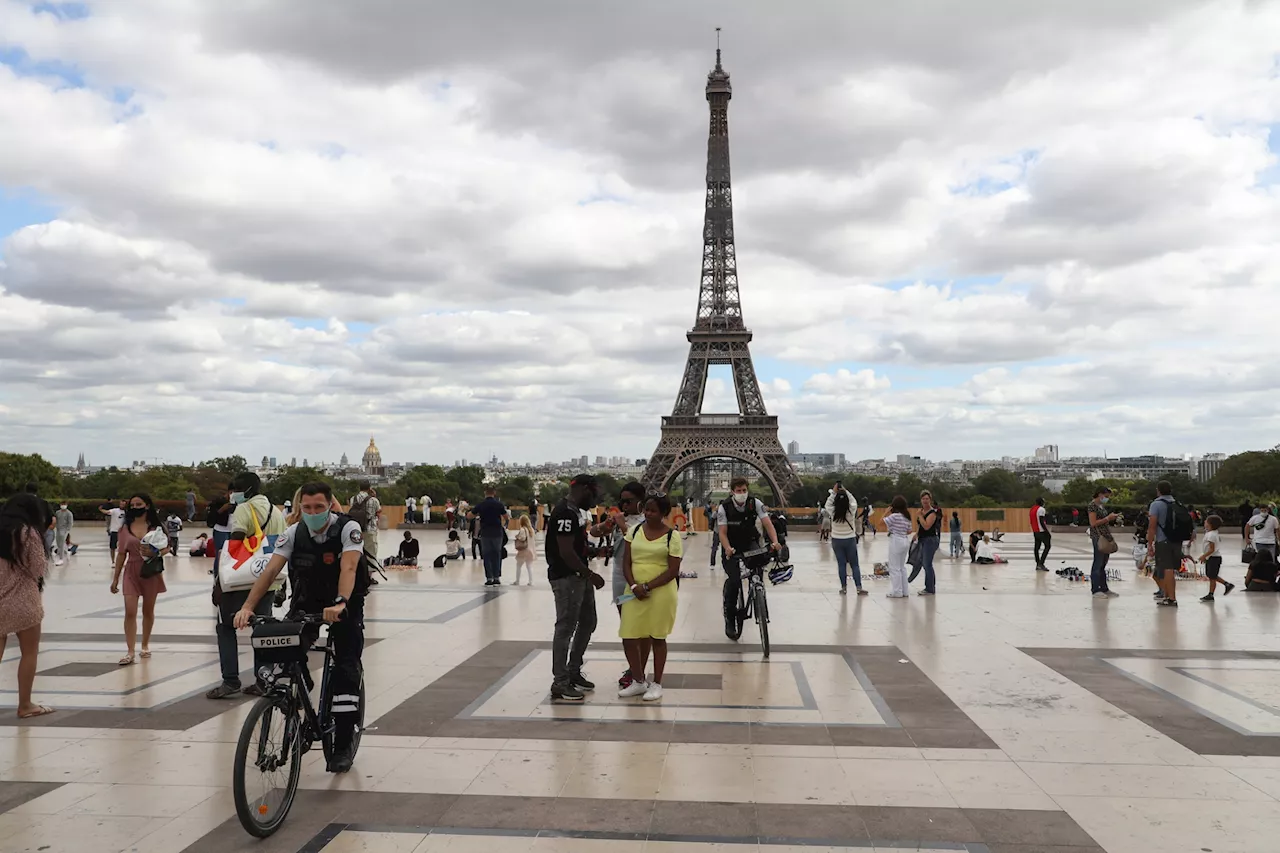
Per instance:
{"type": "Point", "coordinates": [491, 553]}
{"type": "Point", "coordinates": [846, 551]}
{"type": "Point", "coordinates": [957, 544]}
{"type": "Point", "coordinates": [1098, 574]}
{"type": "Point", "coordinates": [929, 547]}
{"type": "Point", "coordinates": [219, 539]}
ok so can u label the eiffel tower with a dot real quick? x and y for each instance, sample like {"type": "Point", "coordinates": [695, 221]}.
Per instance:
{"type": "Point", "coordinates": [719, 337]}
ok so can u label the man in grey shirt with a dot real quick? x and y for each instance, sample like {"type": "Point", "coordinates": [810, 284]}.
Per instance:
{"type": "Point", "coordinates": [1168, 554]}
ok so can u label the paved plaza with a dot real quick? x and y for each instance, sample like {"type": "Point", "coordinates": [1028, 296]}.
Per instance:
{"type": "Point", "coordinates": [1011, 713]}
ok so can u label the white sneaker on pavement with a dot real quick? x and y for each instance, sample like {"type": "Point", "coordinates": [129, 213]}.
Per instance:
{"type": "Point", "coordinates": [654, 693]}
{"type": "Point", "coordinates": [635, 688]}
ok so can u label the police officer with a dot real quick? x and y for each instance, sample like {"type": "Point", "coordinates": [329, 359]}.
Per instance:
{"type": "Point", "coordinates": [324, 552]}
{"type": "Point", "coordinates": [736, 523]}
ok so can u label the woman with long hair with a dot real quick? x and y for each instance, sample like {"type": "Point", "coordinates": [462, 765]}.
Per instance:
{"type": "Point", "coordinates": [897, 523]}
{"type": "Point", "coordinates": [843, 511]}
{"type": "Point", "coordinates": [140, 519]}
{"type": "Point", "coordinates": [22, 567]}
{"type": "Point", "coordinates": [524, 549]}
{"type": "Point", "coordinates": [929, 534]}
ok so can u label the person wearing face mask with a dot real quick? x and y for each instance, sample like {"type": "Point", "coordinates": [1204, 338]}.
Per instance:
{"type": "Point", "coordinates": [1260, 532]}
{"type": "Point", "coordinates": [739, 522]}
{"type": "Point", "coordinates": [141, 519]}
{"type": "Point", "coordinates": [324, 553]}
{"type": "Point", "coordinates": [250, 510]}
{"type": "Point", "coordinates": [1100, 533]}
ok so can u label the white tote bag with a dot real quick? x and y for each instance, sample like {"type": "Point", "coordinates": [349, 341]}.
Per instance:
{"type": "Point", "coordinates": [243, 561]}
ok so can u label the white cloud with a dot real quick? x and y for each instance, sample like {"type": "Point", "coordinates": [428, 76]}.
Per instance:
{"type": "Point", "coordinates": [474, 233]}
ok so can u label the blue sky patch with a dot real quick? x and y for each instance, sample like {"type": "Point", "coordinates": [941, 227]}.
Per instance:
{"type": "Point", "coordinates": [24, 66]}
{"type": "Point", "coordinates": [62, 11]}
{"type": "Point", "coordinates": [19, 208]}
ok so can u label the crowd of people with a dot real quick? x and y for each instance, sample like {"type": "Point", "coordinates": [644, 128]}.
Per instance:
{"type": "Point", "coordinates": [331, 556]}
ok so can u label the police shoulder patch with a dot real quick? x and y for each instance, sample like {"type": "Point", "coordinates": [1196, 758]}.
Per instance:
{"type": "Point", "coordinates": [356, 537]}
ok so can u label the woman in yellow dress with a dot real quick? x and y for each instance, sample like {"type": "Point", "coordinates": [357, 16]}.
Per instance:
{"type": "Point", "coordinates": [650, 564]}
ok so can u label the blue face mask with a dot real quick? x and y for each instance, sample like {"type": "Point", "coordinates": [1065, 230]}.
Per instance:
{"type": "Point", "coordinates": [1105, 499]}
{"type": "Point", "coordinates": [237, 497]}
{"type": "Point", "coordinates": [315, 523]}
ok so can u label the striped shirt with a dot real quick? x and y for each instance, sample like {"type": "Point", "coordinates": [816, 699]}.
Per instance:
{"type": "Point", "coordinates": [897, 525]}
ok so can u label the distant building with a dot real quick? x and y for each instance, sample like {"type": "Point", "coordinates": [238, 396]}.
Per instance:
{"type": "Point", "coordinates": [1048, 453]}
{"type": "Point", "coordinates": [793, 448]}
{"type": "Point", "coordinates": [1207, 468]}
{"type": "Point", "coordinates": [371, 462]}
{"type": "Point", "coordinates": [817, 461]}
{"type": "Point", "coordinates": [343, 461]}
{"type": "Point", "coordinates": [80, 464]}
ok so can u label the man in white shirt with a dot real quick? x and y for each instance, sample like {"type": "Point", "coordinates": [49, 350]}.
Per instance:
{"type": "Point", "coordinates": [115, 521]}
{"type": "Point", "coordinates": [1261, 530]}
{"type": "Point", "coordinates": [410, 509]}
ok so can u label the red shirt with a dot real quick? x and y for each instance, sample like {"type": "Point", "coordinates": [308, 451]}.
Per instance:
{"type": "Point", "coordinates": [1036, 525]}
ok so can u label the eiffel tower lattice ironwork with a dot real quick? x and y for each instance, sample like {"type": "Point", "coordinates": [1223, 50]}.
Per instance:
{"type": "Point", "coordinates": [719, 337]}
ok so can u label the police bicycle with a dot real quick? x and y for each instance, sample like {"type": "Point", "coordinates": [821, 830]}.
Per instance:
{"type": "Point", "coordinates": [752, 601]}
{"type": "Point", "coordinates": [283, 724]}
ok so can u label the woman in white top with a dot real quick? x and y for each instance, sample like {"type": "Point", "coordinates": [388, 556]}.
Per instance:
{"type": "Point", "coordinates": [842, 509]}
{"type": "Point", "coordinates": [898, 524]}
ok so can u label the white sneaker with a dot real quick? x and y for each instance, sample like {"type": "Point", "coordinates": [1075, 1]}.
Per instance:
{"type": "Point", "coordinates": [1110, 594]}
{"type": "Point", "coordinates": [654, 693]}
{"type": "Point", "coordinates": [635, 688]}
{"type": "Point", "coordinates": [1100, 595]}
{"type": "Point", "coordinates": [57, 562]}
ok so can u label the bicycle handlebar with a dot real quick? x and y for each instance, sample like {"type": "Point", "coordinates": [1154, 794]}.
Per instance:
{"type": "Point", "coordinates": [304, 618]}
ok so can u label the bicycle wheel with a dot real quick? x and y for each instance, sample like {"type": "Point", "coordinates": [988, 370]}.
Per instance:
{"type": "Point", "coordinates": [762, 618]}
{"type": "Point", "coordinates": [327, 742]}
{"type": "Point", "coordinates": [268, 766]}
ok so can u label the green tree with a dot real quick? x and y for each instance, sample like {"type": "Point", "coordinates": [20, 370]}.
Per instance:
{"type": "Point", "coordinates": [281, 487]}
{"type": "Point", "coordinates": [1004, 487]}
{"type": "Point", "coordinates": [470, 480]}
{"type": "Point", "coordinates": [17, 470]}
{"type": "Point", "coordinates": [978, 502]}
{"type": "Point", "coordinates": [1254, 472]}
{"type": "Point", "coordinates": [227, 466]}
{"type": "Point", "coordinates": [515, 490]}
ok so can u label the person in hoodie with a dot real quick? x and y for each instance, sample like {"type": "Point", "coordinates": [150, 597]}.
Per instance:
{"type": "Point", "coordinates": [250, 506]}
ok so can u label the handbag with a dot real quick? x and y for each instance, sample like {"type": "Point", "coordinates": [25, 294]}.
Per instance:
{"type": "Point", "coordinates": [1248, 555]}
{"type": "Point", "coordinates": [242, 561]}
{"type": "Point", "coordinates": [153, 565]}
{"type": "Point", "coordinates": [1107, 545]}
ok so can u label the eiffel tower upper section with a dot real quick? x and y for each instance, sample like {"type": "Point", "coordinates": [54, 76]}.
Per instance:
{"type": "Point", "coordinates": [719, 335]}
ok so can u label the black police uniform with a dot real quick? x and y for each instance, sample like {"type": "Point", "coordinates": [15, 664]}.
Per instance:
{"type": "Point", "coordinates": [314, 568]}
{"type": "Point", "coordinates": [740, 528]}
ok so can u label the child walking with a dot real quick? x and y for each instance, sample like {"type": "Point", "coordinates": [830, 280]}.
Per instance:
{"type": "Point", "coordinates": [1212, 556]}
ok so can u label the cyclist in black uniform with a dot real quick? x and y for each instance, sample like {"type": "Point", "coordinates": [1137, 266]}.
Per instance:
{"type": "Point", "coordinates": [736, 524]}
{"type": "Point", "coordinates": [324, 552]}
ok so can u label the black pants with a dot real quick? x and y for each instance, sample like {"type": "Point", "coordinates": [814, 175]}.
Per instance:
{"type": "Point", "coordinates": [475, 548]}
{"type": "Point", "coordinates": [1044, 538]}
{"type": "Point", "coordinates": [346, 638]}
{"type": "Point", "coordinates": [228, 652]}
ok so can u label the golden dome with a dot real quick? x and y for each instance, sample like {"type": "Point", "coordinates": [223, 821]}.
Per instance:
{"type": "Point", "coordinates": [373, 448]}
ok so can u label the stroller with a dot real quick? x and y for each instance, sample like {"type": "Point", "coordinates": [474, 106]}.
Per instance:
{"type": "Point", "coordinates": [781, 570]}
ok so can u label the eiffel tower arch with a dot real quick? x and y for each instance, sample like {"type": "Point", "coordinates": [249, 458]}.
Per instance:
{"type": "Point", "coordinates": [719, 337]}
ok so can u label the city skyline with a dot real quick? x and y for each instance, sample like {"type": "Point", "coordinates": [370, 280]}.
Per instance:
{"type": "Point", "coordinates": [993, 232]}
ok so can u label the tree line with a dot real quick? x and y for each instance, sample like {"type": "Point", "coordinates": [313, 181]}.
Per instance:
{"type": "Point", "coordinates": [1249, 476]}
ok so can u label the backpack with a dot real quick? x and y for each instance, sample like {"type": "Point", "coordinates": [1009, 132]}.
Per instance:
{"type": "Point", "coordinates": [1178, 526]}
{"type": "Point", "coordinates": [359, 512]}
{"type": "Point", "coordinates": [439, 562]}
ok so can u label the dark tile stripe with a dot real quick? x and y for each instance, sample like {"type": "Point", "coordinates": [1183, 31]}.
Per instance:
{"type": "Point", "coordinates": [973, 830]}
{"type": "Point", "coordinates": [1165, 713]}
{"type": "Point", "coordinates": [14, 794]}
{"type": "Point", "coordinates": [904, 694]}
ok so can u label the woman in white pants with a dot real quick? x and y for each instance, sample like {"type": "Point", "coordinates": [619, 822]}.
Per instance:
{"type": "Point", "coordinates": [898, 523]}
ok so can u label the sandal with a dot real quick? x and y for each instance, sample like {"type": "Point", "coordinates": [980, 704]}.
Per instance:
{"type": "Point", "coordinates": [146, 653]}
{"type": "Point", "coordinates": [125, 661]}
{"type": "Point", "coordinates": [40, 711]}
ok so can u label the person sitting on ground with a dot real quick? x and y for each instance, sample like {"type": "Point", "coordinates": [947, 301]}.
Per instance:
{"type": "Point", "coordinates": [408, 553]}
{"type": "Point", "coordinates": [199, 545]}
{"type": "Point", "coordinates": [1261, 576]}
{"type": "Point", "coordinates": [453, 549]}
{"type": "Point", "coordinates": [986, 553]}
{"type": "Point", "coordinates": [996, 535]}
{"type": "Point", "coordinates": [974, 538]}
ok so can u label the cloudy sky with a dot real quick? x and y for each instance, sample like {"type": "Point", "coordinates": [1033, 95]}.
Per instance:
{"type": "Point", "coordinates": [964, 229]}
